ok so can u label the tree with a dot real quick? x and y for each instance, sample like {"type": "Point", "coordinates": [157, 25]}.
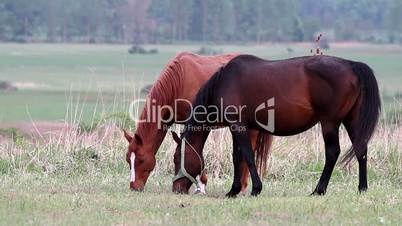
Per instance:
{"type": "Point", "coordinates": [181, 11]}
{"type": "Point", "coordinates": [136, 22]}
{"type": "Point", "coordinates": [141, 21]}
{"type": "Point", "coordinates": [23, 21]}
{"type": "Point", "coordinates": [393, 21]}
{"type": "Point", "coordinates": [5, 28]}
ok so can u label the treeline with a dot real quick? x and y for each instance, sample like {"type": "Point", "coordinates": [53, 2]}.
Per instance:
{"type": "Point", "coordinates": [166, 21]}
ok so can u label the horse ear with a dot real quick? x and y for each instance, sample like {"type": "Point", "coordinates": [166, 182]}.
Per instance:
{"type": "Point", "coordinates": [127, 136]}
{"type": "Point", "coordinates": [138, 139]}
{"type": "Point", "coordinates": [176, 137]}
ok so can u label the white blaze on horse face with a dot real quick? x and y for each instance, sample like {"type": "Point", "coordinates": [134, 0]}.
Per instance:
{"type": "Point", "coordinates": [132, 159]}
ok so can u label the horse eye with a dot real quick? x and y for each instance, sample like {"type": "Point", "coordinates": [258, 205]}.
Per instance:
{"type": "Point", "coordinates": [141, 161]}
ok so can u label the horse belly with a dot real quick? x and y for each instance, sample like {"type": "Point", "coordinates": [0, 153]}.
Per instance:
{"type": "Point", "coordinates": [285, 120]}
{"type": "Point", "coordinates": [293, 125]}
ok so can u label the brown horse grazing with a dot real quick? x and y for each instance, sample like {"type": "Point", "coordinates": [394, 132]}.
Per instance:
{"type": "Point", "coordinates": [180, 79]}
{"type": "Point", "coordinates": [285, 97]}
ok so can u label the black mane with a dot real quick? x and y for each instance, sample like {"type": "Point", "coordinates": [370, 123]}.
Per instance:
{"type": "Point", "coordinates": [204, 96]}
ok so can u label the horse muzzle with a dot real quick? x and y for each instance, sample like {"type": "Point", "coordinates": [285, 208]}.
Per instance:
{"type": "Point", "coordinates": [180, 189]}
{"type": "Point", "coordinates": [136, 186]}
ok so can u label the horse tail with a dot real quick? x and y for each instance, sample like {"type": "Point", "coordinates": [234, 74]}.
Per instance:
{"type": "Point", "coordinates": [370, 108]}
{"type": "Point", "coordinates": [263, 151]}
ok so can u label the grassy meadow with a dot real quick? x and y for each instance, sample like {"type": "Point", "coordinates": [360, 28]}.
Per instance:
{"type": "Point", "coordinates": [51, 76]}
{"type": "Point", "coordinates": [62, 153]}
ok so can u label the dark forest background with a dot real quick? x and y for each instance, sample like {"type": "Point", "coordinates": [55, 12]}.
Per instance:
{"type": "Point", "coordinates": [163, 21]}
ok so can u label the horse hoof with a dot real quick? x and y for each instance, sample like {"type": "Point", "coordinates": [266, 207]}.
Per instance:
{"type": "Point", "coordinates": [231, 195]}
{"type": "Point", "coordinates": [243, 193]}
{"type": "Point", "coordinates": [362, 189]}
{"type": "Point", "coordinates": [317, 193]}
{"type": "Point", "coordinates": [255, 192]}
{"type": "Point", "coordinates": [198, 192]}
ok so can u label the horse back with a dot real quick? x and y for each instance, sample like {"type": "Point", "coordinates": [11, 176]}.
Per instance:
{"type": "Point", "coordinates": [311, 88]}
{"type": "Point", "coordinates": [196, 70]}
{"type": "Point", "coordinates": [314, 81]}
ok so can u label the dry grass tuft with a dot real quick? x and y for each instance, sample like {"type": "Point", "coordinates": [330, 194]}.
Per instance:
{"type": "Point", "coordinates": [72, 150]}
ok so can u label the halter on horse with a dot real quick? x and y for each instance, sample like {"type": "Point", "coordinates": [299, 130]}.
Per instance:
{"type": "Point", "coordinates": [180, 79]}
{"type": "Point", "coordinates": [307, 90]}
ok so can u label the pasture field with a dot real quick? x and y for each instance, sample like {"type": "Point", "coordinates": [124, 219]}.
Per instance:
{"type": "Point", "coordinates": [103, 199]}
{"type": "Point", "coordinates": [72, 173]}
{"type": "Point", "coordinates": [81, 178]}
{"type": "Point", "coordinates": [50, 75]}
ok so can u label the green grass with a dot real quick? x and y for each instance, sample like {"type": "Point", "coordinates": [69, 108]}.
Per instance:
{"type": "Point", "coordinates": [61, 67]}
{"type": "Point", "coordinates": [104, 199]}
{"type": "Point", "coordinates": [48, 105]}
{"type": "Point", "coordinates": [83, 179]}
{"type": "Point", "coordinates": [49, 72]}
{"type": "Point", "coordinates": [80, 177]}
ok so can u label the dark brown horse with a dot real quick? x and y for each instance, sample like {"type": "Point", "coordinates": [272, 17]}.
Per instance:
{"type": "Point", "coordinates": [284, 98]}
{"type": "Point", "coordinates": [180, 79]}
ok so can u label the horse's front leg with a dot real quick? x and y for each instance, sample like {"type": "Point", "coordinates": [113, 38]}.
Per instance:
{"type": "Point", "coordinates": [202, 180]}
{"type": "Point", "coordinates": [237, 157]}
{"type": "Point", "coordinates": [243, 141]}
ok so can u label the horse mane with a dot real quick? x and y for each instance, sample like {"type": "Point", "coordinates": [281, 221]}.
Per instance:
{"type": "Point", "coordinates": [164, 92]}
{"type": "Point", "coordinates": [205, 95]}
{"type": "Point", "coordinates": [169, 84]}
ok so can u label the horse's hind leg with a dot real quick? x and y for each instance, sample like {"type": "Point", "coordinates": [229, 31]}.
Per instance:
{"type": "Point", "coordinates": [349, 124]}
{"type": "Point", "coordinates": [332, 149]}
{"type": "Point", "coordinates": [245, 173]}
{"type": "Point", "coordinates": [243, 140]}
{"type": "Point", "coordinates": [237, 157]}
